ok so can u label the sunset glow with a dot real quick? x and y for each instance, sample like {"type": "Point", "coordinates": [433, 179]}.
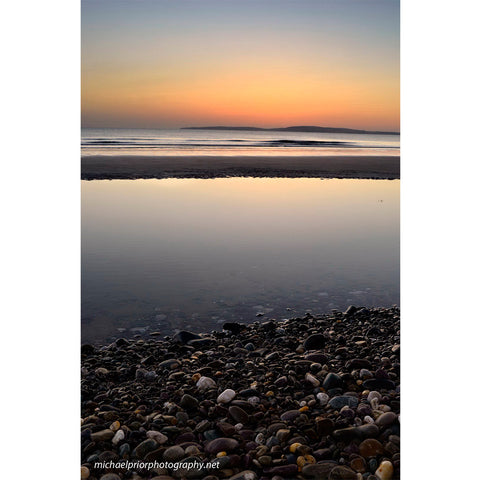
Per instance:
{"type": "Point", "coordinates": [261, 63]}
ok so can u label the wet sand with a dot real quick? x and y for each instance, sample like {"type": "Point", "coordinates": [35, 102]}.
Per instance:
{"type": "Point", "coordinates": [131, 167]}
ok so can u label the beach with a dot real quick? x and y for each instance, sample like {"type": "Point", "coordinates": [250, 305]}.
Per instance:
{"type": "Point", "coordinates": [311, 397]}
{"type": "Point", "coordinates": [103, 167]}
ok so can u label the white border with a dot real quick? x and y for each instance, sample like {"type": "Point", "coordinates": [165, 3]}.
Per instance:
{"type": "Point", "coordinates": [40, 44]}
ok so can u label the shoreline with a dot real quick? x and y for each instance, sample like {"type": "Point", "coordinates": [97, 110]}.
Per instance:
{"type": "Point", "coordinates": [308, 397]}
{"type": "Point", "coordinates": [106, 167]}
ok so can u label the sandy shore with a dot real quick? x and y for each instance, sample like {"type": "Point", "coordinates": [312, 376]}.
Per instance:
{"type": "Point", "coordinates": [130, 167]}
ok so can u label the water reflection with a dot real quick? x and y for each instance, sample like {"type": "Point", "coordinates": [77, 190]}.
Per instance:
{"type": "Point", "coordinates": [179, 253]}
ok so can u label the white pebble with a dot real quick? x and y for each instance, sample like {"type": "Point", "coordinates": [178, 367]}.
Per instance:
{"type": "Point", "coordinates": [238, 426]}
{"type": "Point", "coordinates": [118, 437]}
{"type": "Point", "coordinates": [384, 471]}
{"type": "Point", "coordinates": [204, 383]}
{"type": "Point", "coordinates": [368, 419]}
{"type": "Point", "coordinates": [373, 394]}
{"type": "Point", "coordinates": [260, 439]}
{"type": "Point", "coordinates": [226, 396]}
{"type": "Point", "coordinates": [323, 398]}
{"type": "Point", "coordinates": [253, 400]}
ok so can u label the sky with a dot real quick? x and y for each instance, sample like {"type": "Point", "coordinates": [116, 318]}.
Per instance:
{"type": "Point", "coordinates": [266, 63]}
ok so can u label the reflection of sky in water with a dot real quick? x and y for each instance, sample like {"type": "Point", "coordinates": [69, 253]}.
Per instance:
{"type": "Point", "coordinates": [192, 253]}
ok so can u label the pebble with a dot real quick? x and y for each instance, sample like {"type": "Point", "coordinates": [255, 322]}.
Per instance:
{"type": "Point", "coordinates": [159, 437]}
{"type": "Point", "coordinates": [204, 383]}
{"type": "Point", "coordinates": [332, 380]}
{"type": "Point", "coordinates": [323, 398]}
{"type": "Point", "coordinates": [342, 473]}
{"type": "Point", "coordinates": [84, 473]}
{"type": "Point", "coordinates": [226, 396]}
{"type": "Point", "coordinates": [144, 447]}
{"type": "Point", "coordinates": [245, 475]}
{"type": "Point", "coordinates": [386, 419]}
{"type": "Point", "coordinates": [342, 401]}
{"type": "Point", "coordinates": [298, 411]}
{"type": "Point", "coordinates": [313, 380]}
{"type": "Point", "coordinates": [173, 454]}
{"type": "Point", "coordinates": [384, 471]}
{"type": "Point", "coordinates": [238, 414]}
{"type": "Point", "coordinates": [314, 342]}
{"type": "Point", "coordinates": [118, 437]}
{"type": "Point", "coordinates": [370, 448]}
{"type": "Point", "coordinates": [221, 444]}
{"type": "Point", "coordinates": [188, 402]}
{"type": "Point", "coordinates": [102, 435]}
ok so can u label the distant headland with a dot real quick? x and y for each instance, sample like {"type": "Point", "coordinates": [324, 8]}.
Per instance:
{"type": "Point", "coordinates": [308, 129]}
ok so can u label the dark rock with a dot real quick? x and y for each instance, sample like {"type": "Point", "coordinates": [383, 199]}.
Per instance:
{"type": "Point", "coordinates": [221, 445]}
{"type": "Point", "coordinates": [332, 380]}
{"type": "Point", "coordinates": [342, 473]}
{"type": "Point", "coordinates": [188, 402]}
{"type": "Point", "coordinates": [342, 401]}
{"type": "Point", "coordinates": [233, 327]}
{"type": "Point", "coordinates": [370, 448]}
{"type": "Point", "coordinates": [185, 336]}
{"type": "Point", "coordinates": [314, 342]}
{"type": "Point", "coordinates": [238, 414]}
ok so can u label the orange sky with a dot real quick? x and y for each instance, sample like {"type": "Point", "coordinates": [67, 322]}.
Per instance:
{"type": "Point", "coordinates": [156, 66]}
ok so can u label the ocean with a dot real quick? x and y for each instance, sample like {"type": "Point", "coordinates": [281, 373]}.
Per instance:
{"type": "Point", "coordinates": [117, 141]}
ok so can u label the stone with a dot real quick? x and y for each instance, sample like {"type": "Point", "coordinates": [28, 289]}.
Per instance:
{"type": "Point", "coordinates": [370, 448]}
{"type": "Point", "coordinates": [379, 384]}
{"type": "Point", "coordinates": [342, 473]}
{"type": "Point", "coordinates": [188, 402]}
{"type": "Point", "coordinates": [386, 418]}
{"type": "Point", "coordinates": [317, 358]}
{"type": "Point", "coordinates": [322, 398]}
{"type": "Point", "coordinates": [226, 396]}
{"type": "Point", "coordinates": [118, 437]}
{"type": "Point", "coordinates": [358, 464]}
{"type": "Point", "coordinates": [318, 471]}
{"type": "Point", "coordinates": [102, 435]}
{"type": "Point", "coordinates": [144, 447]}
{"type": "Point", "coordinates": [173, 454]}
{"type": "Point", "coordinates": [245, 475]}
{"type": "Point", "coordinates": [159, 437]}
{"type": "Point", "coordinates": [188, 471]}
{"type": "Point", "coordinates": [384, 470]}
{"type": "Point", "coordinates": [325, 426]}
{"type": "Point", "coordinates": [290, 415]}
{"type": "Point", "coordinates": [342, 401]}
{"type": "Point", "coordinates": [283, 434]}
{"type": "Point", "coordinates": [281, 382]}
{"type": "Point", "coordinates": [110, 476]}
{"type": "Point", "coordinates": [332, 380]}
{"type": "Point", "coordinates": [284, 471]}
{"type": "Point", "coordinates": [84, 473]}
{"type": "Point", "coordinates": [185, 336]}
{"type": "Point", "coordinates": [239, 414]}
{"type": "Point", "coordinates": [170, 364]}
{"type": "Point", "coordinates": [311, 379]}
{"type": "Point", "coordinates": [314, 342]}
{"type": "Point", "coordinates": [205, 383]}
{"type": "Point", "coordinates": [221, 444]}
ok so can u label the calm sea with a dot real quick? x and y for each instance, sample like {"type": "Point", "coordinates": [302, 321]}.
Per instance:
{"type": "Point", "coordinates": [215, 142]}
{"type": "Point", "coordinates": [162, 255]}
